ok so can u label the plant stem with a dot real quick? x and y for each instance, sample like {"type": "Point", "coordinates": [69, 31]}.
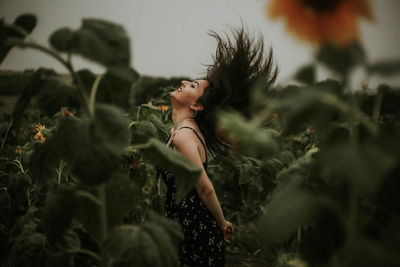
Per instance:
{"type": "Point", "coordinates": [59, 172]}
{"type": "Point", "coordinates": [5, 136]}
{"type": "Point", "coordinates": [93, 93]}
{"type": "Point", "coordinates": [377, 106]}
{"type": "Point", "coordinates": [88, 196]}
{"type": "Point", "coordinates": [103, 211]}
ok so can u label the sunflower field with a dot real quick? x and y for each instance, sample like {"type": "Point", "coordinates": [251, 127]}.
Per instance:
{"type": "Point", "coordinates": [314, 184]}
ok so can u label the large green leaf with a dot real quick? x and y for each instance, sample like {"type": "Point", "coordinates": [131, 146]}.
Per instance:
{"type": "Point", "coordinates": [289, 208]}
{"type": "Point", "coordinates": [29, 247]}
{"type": "Point", "coordinates": [143, 112]}
{"type": "Point", "coordinates": [121, 192]}
{"type": "Point", "coordinates": [94, 148]}
{"type": "Point", "coordinates": [142, 131]}
{"type": "Point", "coordinates": [152, 244]}
{"type": "Point", "coordinates": [60, 208]}
{"type": "Point", "coordinates": [341, 59]}
{"type": "Point", "coordinates": [110, 129]}
{"type": "Point", "coordinates": [318, 105]}
{"type": "Point", "coordinates": [98, 40]}
{"type": "Point", "coordinates": [363, 166]}
{"type": "Point", "coordinates": [54, 95]}
{"type": "Point", "coordinates": [290, 205]}
{"type": "Point", "coordinates": [115, 87]}
{"type": "Point", "coordinates": [172, 161]}
{"type": "Point", "coordinates": [17, 187]}
{"type": "Point", "coordinates": [306, 74]}
{"type": "Point", "coordinates": [25, 22]}
{"type": "Point", "coordinates": [257, 141]}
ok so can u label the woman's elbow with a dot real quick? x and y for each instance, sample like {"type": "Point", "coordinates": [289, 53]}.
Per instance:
{"type": "Point", "coordinates": [205, 191]}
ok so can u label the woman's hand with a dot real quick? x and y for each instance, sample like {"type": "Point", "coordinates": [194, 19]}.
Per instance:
{"type": "Point", "coordinates": [227, 229]}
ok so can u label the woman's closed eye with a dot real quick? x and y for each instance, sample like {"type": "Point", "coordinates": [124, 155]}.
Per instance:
{"type": "Point", "coordinates": [195, 84]}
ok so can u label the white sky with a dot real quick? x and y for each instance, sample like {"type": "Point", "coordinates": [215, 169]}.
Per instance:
{"type": "Point", "coordinates": [169, 37]}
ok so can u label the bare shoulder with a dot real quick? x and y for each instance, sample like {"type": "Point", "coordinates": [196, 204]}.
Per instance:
{"type": "Point", "coordinates": [185, 142]}
{"type": "Point", "coordinates": [184, 137]}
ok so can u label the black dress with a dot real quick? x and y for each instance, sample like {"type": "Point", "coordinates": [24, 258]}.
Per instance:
{"type": "Point", "coordinates": [203, 243]}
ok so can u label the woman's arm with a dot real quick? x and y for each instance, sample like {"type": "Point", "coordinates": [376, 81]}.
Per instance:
{"type": "Point", "coordinates": [186, 144]}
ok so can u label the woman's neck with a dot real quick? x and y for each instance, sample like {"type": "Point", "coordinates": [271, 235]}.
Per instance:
{"type": "Point", "coordinates": [181, 118]}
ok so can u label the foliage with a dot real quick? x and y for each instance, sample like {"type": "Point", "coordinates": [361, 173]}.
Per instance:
{"type": "Point", "coordinates": [312, 181]}
{"type": "Point", "coordinates": [74, 163]}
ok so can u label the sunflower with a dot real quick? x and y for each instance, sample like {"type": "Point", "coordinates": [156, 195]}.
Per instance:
{"type": "Point", "coordinates": [66, 113]}
{"type": "Point", "coordinates": [163, 108]}
{"type": "Point", "coordinates": [322, 21]}
{"type": "Point", "coordinates": [39, 128]}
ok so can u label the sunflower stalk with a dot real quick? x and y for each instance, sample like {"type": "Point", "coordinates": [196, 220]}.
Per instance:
{"type": "Point", "coordinates": [103, 211]}
{"type": "Point", "coordinates": [93, 93]}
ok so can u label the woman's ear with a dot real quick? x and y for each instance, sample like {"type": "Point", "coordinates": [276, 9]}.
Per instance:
{"type": "Point", "coordinates": [197, 107]}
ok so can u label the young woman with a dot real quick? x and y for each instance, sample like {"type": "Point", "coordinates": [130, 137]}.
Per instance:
{"type": "Point", "coordinates": [237, 67]}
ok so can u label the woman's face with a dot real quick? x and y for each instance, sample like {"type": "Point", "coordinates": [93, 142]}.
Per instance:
{"type": "Point", "coordinates": [189, 92]}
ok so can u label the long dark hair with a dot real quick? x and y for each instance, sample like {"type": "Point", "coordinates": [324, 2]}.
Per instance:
{"type": "Point", "coordinates": [237, 67]}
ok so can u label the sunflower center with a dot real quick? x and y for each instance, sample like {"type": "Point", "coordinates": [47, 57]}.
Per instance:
{"type": "Point", "coordinates": [320, 6]}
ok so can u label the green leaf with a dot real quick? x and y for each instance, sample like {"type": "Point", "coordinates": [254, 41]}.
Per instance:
{"type": "Point", "coordinates": [290, 205]}
{"type": "Point", "coordinates": [109, 130]}
{"type": "Point", "coordinates": [341, 59]}
{"type": "Point", "coordinates": [18, 185]}
{"type": "Point", "coordinates": [385, 68]}
{"type": "Point", "coordinates": [94, 148]}
{"type": "Point", "coordinates": [156, 243]}
{"type": "Point", "coordinates": [142, 131]}
{"type": "Point", "coordinates": [115, 89]}
{"type": "Point", "coordinates": [60, 208]}
{"type": "Point", "coordinates": [143, 112]}
{"type": "Point", "coordinates": [306, 74]}
{"type": "Point", "coordinates": [288, 209]}
{"type": "Point", "coordinates": [63, 40]}
{"type": "Point", "coordinates": [365, 166]}
{"type": "Point", "coordinates": [124, 245]}
{"type": "Point", "coordinates": [88, 212]}
{"type": "Point", "coordinates": [98, 40]}
{"type": "Point", "coordinates": [121, 192]}
{"type": "Point", "coordinates": [166, 243]}
{"type": "Point", "coordinates": [54, 95]}
{"type": "Point", "coordinates": [26, 22]}
{"type": "Point", "coordinates": [172, 161]}
{"type": "Point", "coordinates": [299, 106]}
{"type": "Point", "coordinates": [257, 141]}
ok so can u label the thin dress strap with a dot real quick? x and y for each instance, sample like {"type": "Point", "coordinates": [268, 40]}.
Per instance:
{"type": "Point", "coordinates": [205, 149]}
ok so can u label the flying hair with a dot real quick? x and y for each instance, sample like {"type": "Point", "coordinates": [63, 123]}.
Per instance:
{"type": "Point", "coordinates": [238, 65]}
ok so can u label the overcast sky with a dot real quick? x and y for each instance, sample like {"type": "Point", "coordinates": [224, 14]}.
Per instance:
{"type": "Point", "coordinates": [169, 37]}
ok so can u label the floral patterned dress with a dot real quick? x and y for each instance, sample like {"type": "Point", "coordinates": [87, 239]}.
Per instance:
{"type": "Point", "coordinates": [203, 243]}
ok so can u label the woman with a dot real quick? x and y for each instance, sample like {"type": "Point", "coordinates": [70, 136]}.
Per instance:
{"type": "Point", "coordinates": [237, 67]}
